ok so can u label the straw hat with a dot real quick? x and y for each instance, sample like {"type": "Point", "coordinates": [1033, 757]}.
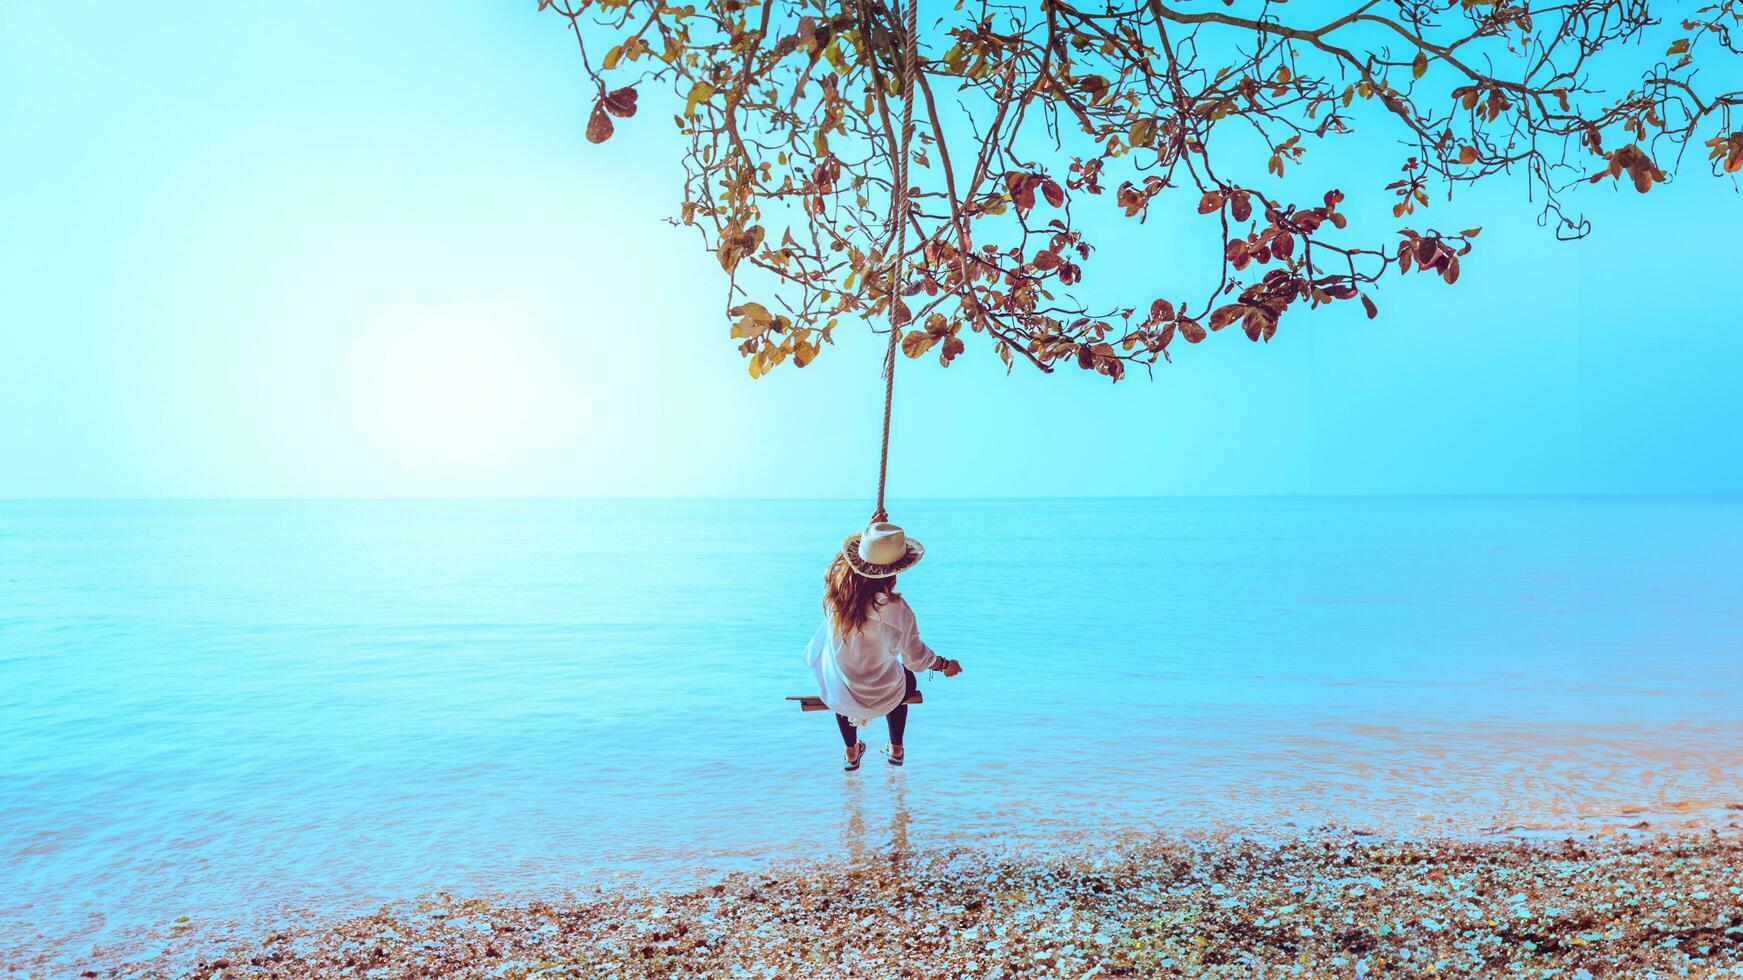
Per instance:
{"type": "Point", "coordinates": [881, 550]}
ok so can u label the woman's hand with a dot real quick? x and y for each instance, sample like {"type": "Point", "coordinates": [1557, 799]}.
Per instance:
{"type": "Point", "coordinates": [951, 668]}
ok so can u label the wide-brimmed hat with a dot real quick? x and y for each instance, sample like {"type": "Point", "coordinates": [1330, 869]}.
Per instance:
{"type": "Point", "coordinates": [881, 550]}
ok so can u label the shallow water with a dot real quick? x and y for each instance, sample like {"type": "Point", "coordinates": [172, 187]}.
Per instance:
{"type": "Point", "coordinates": [225, 710]}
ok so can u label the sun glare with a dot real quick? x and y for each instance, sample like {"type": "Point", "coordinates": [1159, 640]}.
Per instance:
{"type": "Point", "coordinates": [452, 395]}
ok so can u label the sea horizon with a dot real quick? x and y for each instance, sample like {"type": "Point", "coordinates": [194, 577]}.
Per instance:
{"type": "Point", "coordinates": [905, 499]}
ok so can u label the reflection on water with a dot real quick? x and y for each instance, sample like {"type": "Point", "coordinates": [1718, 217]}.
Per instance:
{"type": "Point", "coordinates": [228, 709]}
{"type": "Point", "coordinates": [893, 844]}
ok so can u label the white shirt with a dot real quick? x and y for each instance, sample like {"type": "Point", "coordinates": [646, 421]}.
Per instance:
{"type": "Point", "coordinates": [861, 676]}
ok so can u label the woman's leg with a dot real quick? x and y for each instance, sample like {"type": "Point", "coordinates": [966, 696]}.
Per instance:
{"type": "Point", "coordinates": [848, 735]}
{"type": "Point", "coordinates": [898, 719]}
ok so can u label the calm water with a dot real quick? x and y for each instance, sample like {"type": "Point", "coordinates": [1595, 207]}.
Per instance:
{"type": "Point", "coordinates": [225, 710]}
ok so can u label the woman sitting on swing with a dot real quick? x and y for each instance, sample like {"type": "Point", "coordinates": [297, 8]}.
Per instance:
{"type": "Point", "coordinates": [866, 651]}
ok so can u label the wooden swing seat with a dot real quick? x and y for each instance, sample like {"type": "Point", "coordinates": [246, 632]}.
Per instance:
{"type": "Point", "coordinates": [811, 702]}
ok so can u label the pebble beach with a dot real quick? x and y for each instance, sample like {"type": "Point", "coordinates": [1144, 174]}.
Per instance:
{"type": "Point", "coordinates": [1330, 902]}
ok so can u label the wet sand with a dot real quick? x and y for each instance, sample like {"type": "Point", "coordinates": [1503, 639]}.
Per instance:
{"type": "Point", "coordinates": [1328, 903]}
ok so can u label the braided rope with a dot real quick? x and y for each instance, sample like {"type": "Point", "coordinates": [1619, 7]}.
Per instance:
{"type": "Point", "coordinates": [899, 215]}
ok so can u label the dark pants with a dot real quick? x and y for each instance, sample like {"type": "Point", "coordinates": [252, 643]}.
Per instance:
{"type": "Point", "coordinates": [897, 719]}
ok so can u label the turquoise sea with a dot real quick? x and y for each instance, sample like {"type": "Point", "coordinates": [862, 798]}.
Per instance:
{"type": "Point", "coordinates": [241, 711]}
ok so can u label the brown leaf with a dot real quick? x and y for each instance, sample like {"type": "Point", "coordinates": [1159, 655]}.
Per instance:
{"type": "Point", "coordinates": [1095, 85]}
{"type": "Point", "coordinates": [599, 126]}
{"type": "Point", "coordinates": [620, 102]}
{"type": "Point", "coordinates": [1053, 192]}
{"type": "Point", "coordinates": [1192, 331]}
{"type": "Point", "coordinates": [1368, 304]}
{"type": "Point", "coordinates": [952, 347]}
{"type": "Point", "coordinates": [917, 342]}
{"type": "Point", "coordinates": [1253, 324]}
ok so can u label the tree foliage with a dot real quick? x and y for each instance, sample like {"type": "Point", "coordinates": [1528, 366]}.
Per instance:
{"type": "Point", "coordinates": [1034, 114]}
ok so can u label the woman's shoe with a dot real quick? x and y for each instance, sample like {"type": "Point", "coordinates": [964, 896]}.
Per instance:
{"type": "Point", "coordinates": [853, 757]}
{"type": "Point", "coordinates": [895, 752]}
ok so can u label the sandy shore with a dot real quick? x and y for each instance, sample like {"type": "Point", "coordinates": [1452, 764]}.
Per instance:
{"type": "Point", "coordinates": [1329, 904]}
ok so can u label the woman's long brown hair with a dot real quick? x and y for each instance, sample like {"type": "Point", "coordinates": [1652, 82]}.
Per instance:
{"type": "Point", "coordinates": [848, 596]}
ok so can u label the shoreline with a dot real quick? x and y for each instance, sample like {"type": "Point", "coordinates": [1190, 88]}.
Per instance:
{"type": "Point", "coordinates": [1329, 902]}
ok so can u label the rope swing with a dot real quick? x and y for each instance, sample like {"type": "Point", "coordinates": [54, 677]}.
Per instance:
{"type": "Point", "coordinates": [898, 215]}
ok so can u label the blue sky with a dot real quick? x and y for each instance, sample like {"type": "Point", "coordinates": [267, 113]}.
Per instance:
{"type": "Point", "coordinates": [330, 249]}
